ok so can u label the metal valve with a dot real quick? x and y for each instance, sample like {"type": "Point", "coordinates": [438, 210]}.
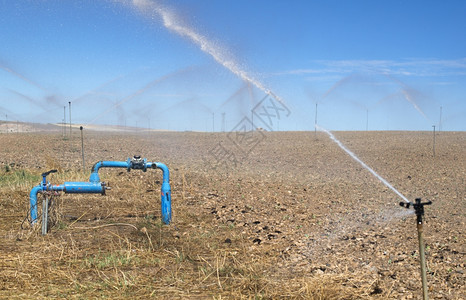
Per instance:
{"type": "Point", "coordinates": [137, 163]}
{"type": "Point", "coordinates": [44, 177]}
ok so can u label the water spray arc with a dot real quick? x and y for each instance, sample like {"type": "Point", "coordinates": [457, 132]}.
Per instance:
{"type": "Point", "coordinates": [138, 92]}
{"type": "Point", "coordinates": [387, 184]}
{"type": "Point", "coordinates": [173, 23]}
{"type": "Point", "coordinates": [22, 77]}
{"type": "Point", "coordinates": [95, 186]}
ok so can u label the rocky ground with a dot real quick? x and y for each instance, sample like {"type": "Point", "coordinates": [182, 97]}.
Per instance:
{"type": "Point", "coordinates": [281, 207]}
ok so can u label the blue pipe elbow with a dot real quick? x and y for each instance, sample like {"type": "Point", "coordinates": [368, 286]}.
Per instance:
{"type": "Point", "coordinates": [107, 164]}
{"type": "Point", "coordinates": [33, 202]}
{"type": "Point", "coordinates": [164, 168]}
{"type": "Point", "coordinates": [166, 193]}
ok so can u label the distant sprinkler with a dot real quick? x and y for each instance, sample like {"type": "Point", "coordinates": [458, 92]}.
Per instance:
{"type": "Point", "coordinates": [69, 103]}
{"type": "Point", "coordinates": [82, 146]}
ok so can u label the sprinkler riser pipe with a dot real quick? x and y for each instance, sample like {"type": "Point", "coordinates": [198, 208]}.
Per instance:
{"type": "Point", "coordinates": [82, 147]}
{"type": "Point", "coordinates": [45, 209]}
{"type": "Point", "coordinates": [422, 256]}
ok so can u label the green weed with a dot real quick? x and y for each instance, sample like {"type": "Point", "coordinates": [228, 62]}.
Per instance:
{"type": "Point", "coordinates": [110, 260]}
{"type": "Point", "coordinates": [18, 178]}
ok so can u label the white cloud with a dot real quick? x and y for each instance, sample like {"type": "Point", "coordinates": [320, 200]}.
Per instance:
{"type": "Point", "coordinates": [408, 67]}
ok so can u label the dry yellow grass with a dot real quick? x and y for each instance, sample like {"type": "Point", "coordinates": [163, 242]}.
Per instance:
{"type": "Point", "coordinates": [114, 247]}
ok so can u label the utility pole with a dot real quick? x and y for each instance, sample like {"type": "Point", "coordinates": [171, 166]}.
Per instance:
{"type": "Point", "coordinates": [69, 103]}
{"type": "Point", "coordinates": [6, 118]}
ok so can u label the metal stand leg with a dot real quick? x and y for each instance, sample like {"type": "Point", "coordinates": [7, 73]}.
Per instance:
{"type": "Point", "coordinates": [425, 295]}
{"type": "Point", "coordinates": [45, 216]}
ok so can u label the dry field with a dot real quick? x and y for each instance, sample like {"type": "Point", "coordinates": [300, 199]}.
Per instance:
{"type": "Point", "coordinates": [295, 218]}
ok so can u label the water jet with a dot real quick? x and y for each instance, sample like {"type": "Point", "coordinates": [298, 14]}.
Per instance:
{"type": "Point", "coordinates": [353, 156]}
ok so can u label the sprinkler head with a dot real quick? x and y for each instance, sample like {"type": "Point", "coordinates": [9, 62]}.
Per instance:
{"type": "Point", "coordinates": [405, 204]}
{"type": "Point", "coordinates": [418, 207]}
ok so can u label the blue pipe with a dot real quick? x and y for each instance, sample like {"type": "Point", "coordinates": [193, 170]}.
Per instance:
{"type": "Point", "coordinates": [107, 164]}
{"type": "Point", "coordinates": [33, 202]}
{"type": "Point", "coordinates": [166, 193]}
{"type": "Point", "coordinates": [94, 186]}
{"type": "Point", "coordinates": [84, 188]}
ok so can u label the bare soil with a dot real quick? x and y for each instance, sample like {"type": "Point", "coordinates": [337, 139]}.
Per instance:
{"type": "Point", "coordinates": [281, 215]}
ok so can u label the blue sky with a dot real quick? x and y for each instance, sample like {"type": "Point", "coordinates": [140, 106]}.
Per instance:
{"type": "Point", "coordinates": [178, 65]}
